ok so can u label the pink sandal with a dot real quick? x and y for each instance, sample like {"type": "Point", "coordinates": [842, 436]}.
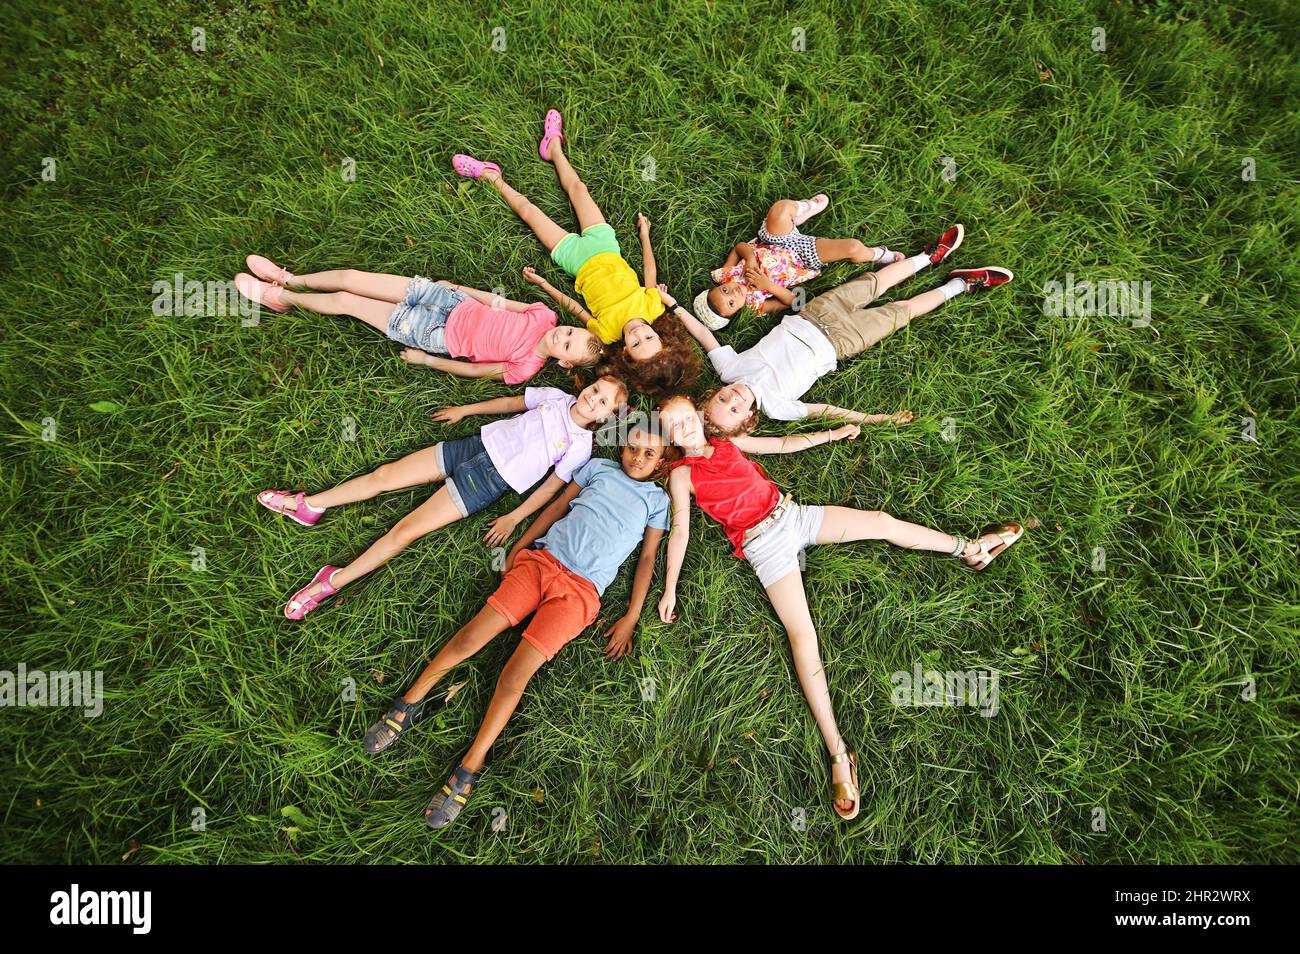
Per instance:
{"type": "Point", "coordinates": [302, 604]}
{"type": "Point", "coordinates": [305, 514]}
{"type": "Point", "coordinates": [268, 271]}
{"type": "Point", "coordinates": [471, 168]}
{"type": "Point", "coordinates": [264, 293]}
{"type": "Point", "coordinates": [551, 129]}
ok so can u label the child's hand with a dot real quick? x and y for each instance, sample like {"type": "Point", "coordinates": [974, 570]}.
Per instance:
{"type": "Point", "coordinates": [531, 276]}
{"type": "Point", "coordinates": [755, 277]}
{"type": "Point", "coordinates": [643, 224]}
{"type": "Point", "coordinates": [449, 415]}
{"type": "Point", "coordinates": [668, 607]}
{"type": "Point", "coordinates": [902, 417]}
{"type": "Point", "coordinates": [845, 433]}
{"type": "Point", "coordinates": [664, 296]}
{"type": "Point", "coordinates": [620, 638]}
{"type": "Point", "coordinates": [501, 529]}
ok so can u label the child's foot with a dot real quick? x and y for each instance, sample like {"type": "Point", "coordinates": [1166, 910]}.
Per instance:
{"type": "Point", "coordinates": [981, 279]}
{"type": "Point", "coordinates": [552, 131]}
{"type": "Point", "coordinates": [264, 293]}
{"type": "Point", "coordinates": [401, 715]}
{"type": "Point", "coordinates": [805, 209]}
{"type": "Point", "coordinates": [416, 356]}
{"type": "Point", "coordinates": [313, 594]}
{"type": "Point", "coordinates": [268, 271]}
{"type": "Point", "coordinates": [845, 795]}
{"type": "Point", "coordinates": [293, 506]}
{"type": "Point", "coordinates": [472, 168]}
{"type": "Point", "coordinates": [449, 801]}
{"type": "Point", "coordinates": [978, 554]}
{"type": "Point", "coordinates": [885, 256]}
{"type": "Point", "coordinates": [945, 244]}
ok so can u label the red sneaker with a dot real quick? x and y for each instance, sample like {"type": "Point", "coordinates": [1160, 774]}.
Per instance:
{"type": "Point", "coordinates": [981, 279]}
{"type": "Point", "coordinates": [946, 244]}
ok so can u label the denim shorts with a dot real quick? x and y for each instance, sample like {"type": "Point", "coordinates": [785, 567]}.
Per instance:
{"type": "Point", "coordinates": [472, 479]}
{"type": "Point", "coordinates": [420, 320]}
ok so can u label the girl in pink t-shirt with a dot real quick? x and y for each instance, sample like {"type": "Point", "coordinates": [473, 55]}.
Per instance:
{"type": "Point", "coordinates": [437, 321]}
{"type": "Point", "coordinates": [550, 432]}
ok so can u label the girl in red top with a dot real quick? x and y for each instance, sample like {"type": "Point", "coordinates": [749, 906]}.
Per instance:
{"type": "Point", "coordinates": [770, 531]}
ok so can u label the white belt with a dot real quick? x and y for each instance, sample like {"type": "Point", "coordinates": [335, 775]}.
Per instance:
{"type": "Point", "coordinates": [777, 513]}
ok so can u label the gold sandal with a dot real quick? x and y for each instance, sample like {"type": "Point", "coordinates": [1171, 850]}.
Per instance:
{"type": "Point", "coordinates": [847, 791]}
{"type": "Point", "coordinates": [1007, 534]}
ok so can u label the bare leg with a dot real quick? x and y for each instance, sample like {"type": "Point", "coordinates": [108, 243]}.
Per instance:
{"type": "Point", "coordinates": [412, 470]}
{"type": "Point", "coordinates": [486, 626]}
{"type": "Point", "coordinates": [780, 218]}
{"type": "Point", "coordinates": [891, 275]}
{"type": "Point", "coordinates": [845, 525]}
{"type": "Point", "coordinates": [434, 514]}
{"type": "Point", "coordinates": [373, 312]}
{"type": "Point", "coordinates": [547, 232]}
{"type": "Point", "coordinates": [791, 605]}
{"type": "Point", "coordinates": [584, 206]}
{"type": "Point", "coordinates": [377, 285]}
{"type": "Point", "coordinates": [523, 663]}
{"type": "Point", "coordinates": [839, 250]}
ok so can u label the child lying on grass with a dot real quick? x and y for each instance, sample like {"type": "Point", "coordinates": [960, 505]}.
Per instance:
{"type": "Point", "coordinates": [761, 272]}
{"type": "Point", "coordinates": [506, 340]}
{"type": "Point", "coordinates": [556, 572]}
{"type": "Point", "coordinates": [553, 432]}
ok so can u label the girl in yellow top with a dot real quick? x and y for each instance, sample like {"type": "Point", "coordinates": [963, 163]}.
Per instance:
{"type": "Point", "coordinates": [656, 359]}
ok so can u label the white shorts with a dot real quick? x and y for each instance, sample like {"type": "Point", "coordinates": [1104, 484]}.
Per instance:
{"type": "Point", "coordinates": [774, 553]}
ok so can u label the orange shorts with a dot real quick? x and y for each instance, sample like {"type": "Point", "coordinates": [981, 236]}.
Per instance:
{"type": "Point", "coordinates": [563, 604]}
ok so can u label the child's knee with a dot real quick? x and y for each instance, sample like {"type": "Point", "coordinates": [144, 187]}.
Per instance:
{"type": "Point", "coordinates": [515, 677]}
{"type": "Point", "coordinates": [407, 530]}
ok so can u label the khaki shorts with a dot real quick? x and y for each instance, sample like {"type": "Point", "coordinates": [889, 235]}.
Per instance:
{"type": "Point", "coordinates": [843, 317]}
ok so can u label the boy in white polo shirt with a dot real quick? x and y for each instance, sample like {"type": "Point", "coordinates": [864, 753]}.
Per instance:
{"type": "Point", "coordinates": [772, 376]}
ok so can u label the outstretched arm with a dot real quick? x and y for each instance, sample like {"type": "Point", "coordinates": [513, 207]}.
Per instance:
{"type": "Point", "coordinates": [794, 442]}
{"type": "Point", "coordinates": [649, 274]}
{"type": "Point", "coordinates": [701, 334]}
{"type": "Point", "coordinates": [491, 299]}
{"type": "Point", "coordinates": [501, 405]}
{"type": "Point", "coordinates": [570, 305]}
{"type": "Point", "coordinates": [679, 489]}
{"type": "Point", "coordinates": [556, 509]}
{"type": "Point", "coordinates": [500, 529]}
{"type": "Point", "coordinates": [858, 417]}
{"type": "Point", "coordinates": [620, 634]}
{"type": "Point", "coordinates": [465, 369]}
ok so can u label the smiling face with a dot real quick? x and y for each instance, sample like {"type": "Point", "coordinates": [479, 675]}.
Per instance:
{"type": "Point", "coordinates": [727, 299]}
{"type": "Point", "coordinates": [642, 454]}
{"type": "Point", "coordinates": [571, 346]}
{"type": "Point", "coordinates": [598, 401]}
{"type": "Point", "coordinates": [729, 408]}
{"type": "Point", "coordinates": [680, 423]}
{"type": "Point", "coordinates": [640, 340]}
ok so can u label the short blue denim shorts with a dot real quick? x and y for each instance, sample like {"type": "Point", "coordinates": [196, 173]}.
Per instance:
{"type": "Point", "coordinates": [472, 479]}
{"type": "Point", "coordinates": [420, 320]}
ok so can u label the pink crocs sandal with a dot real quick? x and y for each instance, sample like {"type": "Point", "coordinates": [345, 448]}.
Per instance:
{"type": "Point", "coordinates": [264, 293]}
{"type": "Point", "coordinates": [470, 167]}
{"type": "Point", "coordinates": [551, 129]}
{"type": "Point", "coordinates": [302, 604]}
{"type": "Point", "coordinates": [268, 271]}
{"type": "Point", "coordinates": [305, 514]}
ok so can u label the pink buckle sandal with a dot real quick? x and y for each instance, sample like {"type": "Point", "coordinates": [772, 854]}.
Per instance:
{"type": "Point", "coordinates": [301, 604]}
{"type": "Point", "coordinates": [268, 271]}
{"type": "Point", "coordinates": [306, 514]}
{"type": "Point", "coordinates": [471, 168]}
{"type": "Point", "coordinates": [552, 128]}
{"type": "Point", "coordinates": [264, 293]}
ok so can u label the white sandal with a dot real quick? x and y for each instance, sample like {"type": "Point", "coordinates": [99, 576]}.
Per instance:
{"type": "Point", "coordinates": [1007, 533]}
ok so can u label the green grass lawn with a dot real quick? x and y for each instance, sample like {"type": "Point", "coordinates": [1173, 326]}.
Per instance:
{"type": "Point", "coordinates": [1120, 689]}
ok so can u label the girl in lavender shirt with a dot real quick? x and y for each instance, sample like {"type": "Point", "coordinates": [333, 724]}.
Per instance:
{"type": "Point", "coordinates": [553, 433]}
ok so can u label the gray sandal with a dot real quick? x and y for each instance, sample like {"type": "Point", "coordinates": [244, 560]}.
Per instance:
{"type": "Point", "coordinates": [447, 804]}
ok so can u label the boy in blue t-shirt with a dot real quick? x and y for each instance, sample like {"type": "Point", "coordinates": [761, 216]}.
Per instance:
{"type": "Point", "coordinates": [557, 572]}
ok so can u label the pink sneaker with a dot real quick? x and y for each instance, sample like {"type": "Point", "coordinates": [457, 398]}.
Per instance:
{"type": "Point", "coordinates": [306, 514]}
{"type": "Point", "coordinates": [264, 293]}
{"type": "Point", "coordinates": [471, 168]}
{"type": "Point", "coordinates": [268, 271]}
{"type": "Point", "coordinates": [807, 208]}
{"type": "Point", "coordinates": [301, 604]}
